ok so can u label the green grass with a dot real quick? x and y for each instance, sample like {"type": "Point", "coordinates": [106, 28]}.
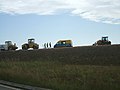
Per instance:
{"type": "Point", "coordinates": [80, 68]}
{"type": "Point", "coordinates": [61, 76]}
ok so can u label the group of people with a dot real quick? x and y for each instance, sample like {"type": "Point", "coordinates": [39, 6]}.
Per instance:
{"type": "Point", "coordinates": [47, 45]}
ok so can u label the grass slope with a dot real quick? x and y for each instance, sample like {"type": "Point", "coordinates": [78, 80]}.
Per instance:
{"type": "Point", "coordinates": [80, 68]}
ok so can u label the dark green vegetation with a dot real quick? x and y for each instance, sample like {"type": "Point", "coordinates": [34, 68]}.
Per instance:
{"type": "Point", "coordinates": [80, 68]}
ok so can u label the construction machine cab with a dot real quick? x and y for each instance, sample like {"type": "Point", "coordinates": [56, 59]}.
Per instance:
{"type": "Point", "coordinates": [32, 40]}
{"type": "Point", "coordinates": [8, 43]}
{"type": "Point", "coordinates": [105, 38]}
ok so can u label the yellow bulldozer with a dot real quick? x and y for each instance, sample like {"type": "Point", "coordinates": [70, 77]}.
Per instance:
{"type": "Point", "coordinates": [31, 44]}
{"type": "Point", "coordinates": [103, 41]}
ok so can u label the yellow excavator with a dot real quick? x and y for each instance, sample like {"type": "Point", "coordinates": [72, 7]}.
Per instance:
{"type": "Point", "coordinates": [31, 44]}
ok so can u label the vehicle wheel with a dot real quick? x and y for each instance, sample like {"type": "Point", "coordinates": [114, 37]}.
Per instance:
{"type": "Point", "coordinates": [10, 48]}
{"type": "Point", "coordinates": [24, 47]}
{"type": "Point", "coordinates": [109, 43]}
{"type": "Point", "coordinates": [35, 47]}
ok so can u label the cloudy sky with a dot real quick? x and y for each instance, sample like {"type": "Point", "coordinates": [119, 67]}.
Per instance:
{"type": "Point", "coordinates": [83, 21]}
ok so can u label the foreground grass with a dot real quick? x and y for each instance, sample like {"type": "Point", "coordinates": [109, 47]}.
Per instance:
{"type": "Point", "coordinates": [59, 76]}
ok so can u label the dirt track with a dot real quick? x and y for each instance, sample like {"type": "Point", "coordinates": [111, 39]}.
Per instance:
{"type": "Point", "coordinates": [86, 55]}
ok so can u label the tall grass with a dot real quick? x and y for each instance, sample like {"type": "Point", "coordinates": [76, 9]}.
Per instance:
{"type": "Point", "coordinates": [60, 76]}
{"type": "Point", "coordinates": [84, 68]}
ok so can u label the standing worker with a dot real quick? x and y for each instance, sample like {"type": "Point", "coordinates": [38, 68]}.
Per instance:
{"type": "Point", "coordinates": [50, 44]}
{"type": "Point", "coordinates": [45, 45]}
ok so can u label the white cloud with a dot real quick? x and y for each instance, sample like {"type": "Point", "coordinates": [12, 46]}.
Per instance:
{"type": "Point", "coordinates": [106, 11]}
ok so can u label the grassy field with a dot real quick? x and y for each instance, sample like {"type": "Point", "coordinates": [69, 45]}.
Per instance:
{"type": "Point", "coordinates": [80, 68]}
{"type": "Point", "coordinates": [60, 76]}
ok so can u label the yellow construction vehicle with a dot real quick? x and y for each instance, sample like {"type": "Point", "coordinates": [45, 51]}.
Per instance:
{"type": "Point", "coordinates": [103, 41]}
{"type": "Point", "coordinates": [8, 46]}
{"type": "Point", "coordinates": [31, 44]}
{"type": "Point", "coordinates": [63, 43]}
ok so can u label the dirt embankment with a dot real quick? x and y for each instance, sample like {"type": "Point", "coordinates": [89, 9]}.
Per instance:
{"type": "Point", "coordinates": [87, 55]}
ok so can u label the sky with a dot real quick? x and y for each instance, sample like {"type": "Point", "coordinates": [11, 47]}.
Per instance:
{"type": "Point", "coordinates": [82, 21]}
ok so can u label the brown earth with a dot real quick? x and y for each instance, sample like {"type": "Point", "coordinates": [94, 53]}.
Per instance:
{"type": "Point", "coordinates": [86, 55]}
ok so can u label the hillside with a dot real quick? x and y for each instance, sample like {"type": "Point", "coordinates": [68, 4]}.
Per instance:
{"type": "Point", "coordinates": [86, 55]}
{"type": "Point", "coordinates": [78, 68]}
